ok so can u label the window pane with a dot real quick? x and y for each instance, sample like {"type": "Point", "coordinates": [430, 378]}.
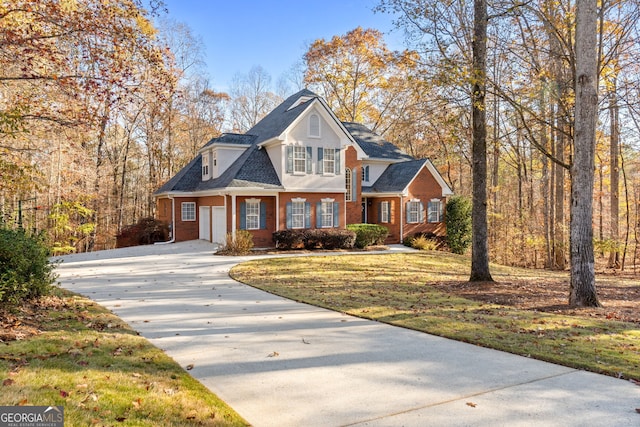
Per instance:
{"type": "Point", "coordinates": [384, 215]}
{"type": "Point", "coordinates": [434, 211]}
{"type": "Point", "coordinates": [327, 214]}
{"type": "Point", "coordinates": [299, 159]}
{"type": "Point", "coordinates": [297, 215]}
{"type": "Point", "coordinates": [347, 177]}
{"type": "Point", "coordinates": [414, 212]}
{"type": "Point", "coordinates": [253, 215]}
{"type": "Point", "coordinates": [329, 160]}
{"type": "Point", "coordinates": [188, 211]}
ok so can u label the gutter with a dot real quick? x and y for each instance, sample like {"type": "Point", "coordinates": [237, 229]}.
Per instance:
{"type": "Point", "coordinates": [173, 222]}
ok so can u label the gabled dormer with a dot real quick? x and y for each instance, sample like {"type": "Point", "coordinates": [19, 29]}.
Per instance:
{"type": "Point", "coordinates": [220, 153]}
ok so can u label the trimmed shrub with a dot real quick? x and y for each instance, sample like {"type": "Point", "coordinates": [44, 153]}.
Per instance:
{"type": "Point", "coordinates": [25, 270]}
{"type": "Point", "coordinates": [289, 239]}
{"type": "Point", "coordinates": [329, 238]}
{"type": "Point", "coordinates": [458, 222]}
{"type": "Point", "coordinates": [145, 232]}
{"type": "Point", "coordinates": [241, 245]}
{"type": "Point", "coordinates": [368, 234]}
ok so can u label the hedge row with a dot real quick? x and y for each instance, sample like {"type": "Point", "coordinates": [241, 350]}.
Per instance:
{"type": "Point", "coordinates": [330, 238]}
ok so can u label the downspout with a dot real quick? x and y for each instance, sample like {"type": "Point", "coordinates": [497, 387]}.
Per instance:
{"type": "Point", "coordinates": [402, 219]}
{"type": "Point", "coordinates": [173, 223]}
{"type": "Point", "coordinates": [233, 216]}
{"type": "Point", "coordinates": [277, 228]}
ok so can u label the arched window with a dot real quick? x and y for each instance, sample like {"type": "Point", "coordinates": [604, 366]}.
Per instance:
{"type": "Point", "coordinates": [348, 183]}
{"type": "Point", "coordinates": [314, 125]}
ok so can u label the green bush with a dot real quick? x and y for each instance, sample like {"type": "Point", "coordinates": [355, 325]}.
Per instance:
{"type": "Point", "coordinates": [241, 245]}
{"type": "Point", "coordinates": [330, 238]}
{"type": "Point", "coordinates": [320, 238]}
{"type": "Point", "coordinates": [25, 270]}
{"type": "Point", "coordinates": [289, 239]}
{"type": "Point", "coordinates": [368, 234]}
{"type": "Point", "coordinates": [458, 222]}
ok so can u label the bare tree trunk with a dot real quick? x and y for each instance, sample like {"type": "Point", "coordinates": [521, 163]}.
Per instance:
{"type": "Point", "coordinates": [559, 256]}
{"type": "Point", "coordinates": [614, 257]}
{"type": "Point", "coordinates": [479, 248]}
{"type": "Point", "coordinates": [583, 284]}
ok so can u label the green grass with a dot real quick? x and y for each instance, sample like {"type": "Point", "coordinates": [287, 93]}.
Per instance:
{"type": "Point", "coordinates": [103, 373]}
{"type": "Point", "coordinates": [395, 289]}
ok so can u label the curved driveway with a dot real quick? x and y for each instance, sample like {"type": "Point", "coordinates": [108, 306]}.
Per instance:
{"type": "Point", "coordinates": [282, 363]}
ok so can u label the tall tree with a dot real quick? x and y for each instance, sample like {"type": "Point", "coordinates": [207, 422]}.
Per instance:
{"type": "Point", "coordinates": [251, 98]}
{"type": "Point", "coordinates": [479, 246]}
{"type": "Point", "coordinates": [362, 80]}
{"type": "Point", "coordinates": [583, 286]}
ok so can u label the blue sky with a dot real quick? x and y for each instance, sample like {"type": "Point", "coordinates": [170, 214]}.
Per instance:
{"type": "Point", "coordinates": [273, 34]}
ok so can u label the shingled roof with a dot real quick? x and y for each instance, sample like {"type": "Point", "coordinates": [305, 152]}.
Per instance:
{"type": "Point", "coordinates": [254, 168]}
{"type": "Point", "coordinates": [374, 145]}
{"type": "Point", "coordinates": [396, 177]}
{"type": "Point", "coordinates": [278, 120]}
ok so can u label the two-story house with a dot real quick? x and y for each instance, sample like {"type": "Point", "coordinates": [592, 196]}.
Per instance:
{"type": "Point", "coordinates": [300, 167]}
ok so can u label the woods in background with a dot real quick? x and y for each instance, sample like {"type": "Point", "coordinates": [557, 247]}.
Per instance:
{"type": "Point", "coordinates": [101, 101]}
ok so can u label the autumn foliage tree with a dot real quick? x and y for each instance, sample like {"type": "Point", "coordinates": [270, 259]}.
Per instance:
{"type": "Point", "coordinates": [362, 80]}
{"type": "Point", "coordinates": [68, 70]}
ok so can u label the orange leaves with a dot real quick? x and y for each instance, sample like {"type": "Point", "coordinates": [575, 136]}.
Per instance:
{"type": "Point", "coordinates": [359, 76]}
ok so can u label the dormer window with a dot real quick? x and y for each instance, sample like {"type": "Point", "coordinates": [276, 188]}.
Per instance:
{"type": "Point", "coordinates": [205, 165]}
{"type": "Point", "coordinates": [314, 126]}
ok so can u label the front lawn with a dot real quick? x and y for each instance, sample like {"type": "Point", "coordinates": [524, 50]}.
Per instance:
{"type": "Point", "coordinates": [427, 291]}
{"type": "Point", "coordinates": [67, 351]}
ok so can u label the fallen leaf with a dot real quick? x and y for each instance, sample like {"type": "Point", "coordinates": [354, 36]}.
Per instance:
{"type": "Point", "coordinates": [8, 382]}
{"type": "Point", "coordinates": [473, 405]}
{"type": "Point", "coordinates": [190, 367]}
{"type": "Point", "coordinates": [305, 341]}
{"type": "Point", "coordinates": [274, 354]}
{"type": "Point", "coordinates": [64, 394]}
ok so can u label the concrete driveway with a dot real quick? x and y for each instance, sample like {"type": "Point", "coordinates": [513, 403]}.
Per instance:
{"type": "Point", "coordinates": [282, 363]}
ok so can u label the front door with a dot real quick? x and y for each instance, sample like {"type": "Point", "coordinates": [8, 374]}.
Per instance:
{"type": "Point", "coordinates": [205, 223]}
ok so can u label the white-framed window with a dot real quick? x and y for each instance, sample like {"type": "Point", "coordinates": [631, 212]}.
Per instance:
{"type": "Point", "coordinates": [205, 165]}
{"type": "Point", "coordinates": [413, 211]}
{"type": "Point", "coordinates": [348, 185]}
{"type": "Point", "coordinates": [329, 160]}
{"type": "Point", "coordinates": [434, 210]}
{"type": "Point", "coordinates": [365, 173]}
{"type": "Point", "coordinates": [326, 213]}
{"type": "Point", "coordinates": [215, 159]}
{"type": "Point", "coordinates": [297, 213]}
{"type": "Point", "coordinates": [384, 211]}
{"type": "Point", "coordinates": [252, 214]}
{"type": "Point", "coordinates": [314, 126]}
{"type": "Point", "coordinates": [188, 211]}
{"type": "Point", "coordinates": [299, 159]}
